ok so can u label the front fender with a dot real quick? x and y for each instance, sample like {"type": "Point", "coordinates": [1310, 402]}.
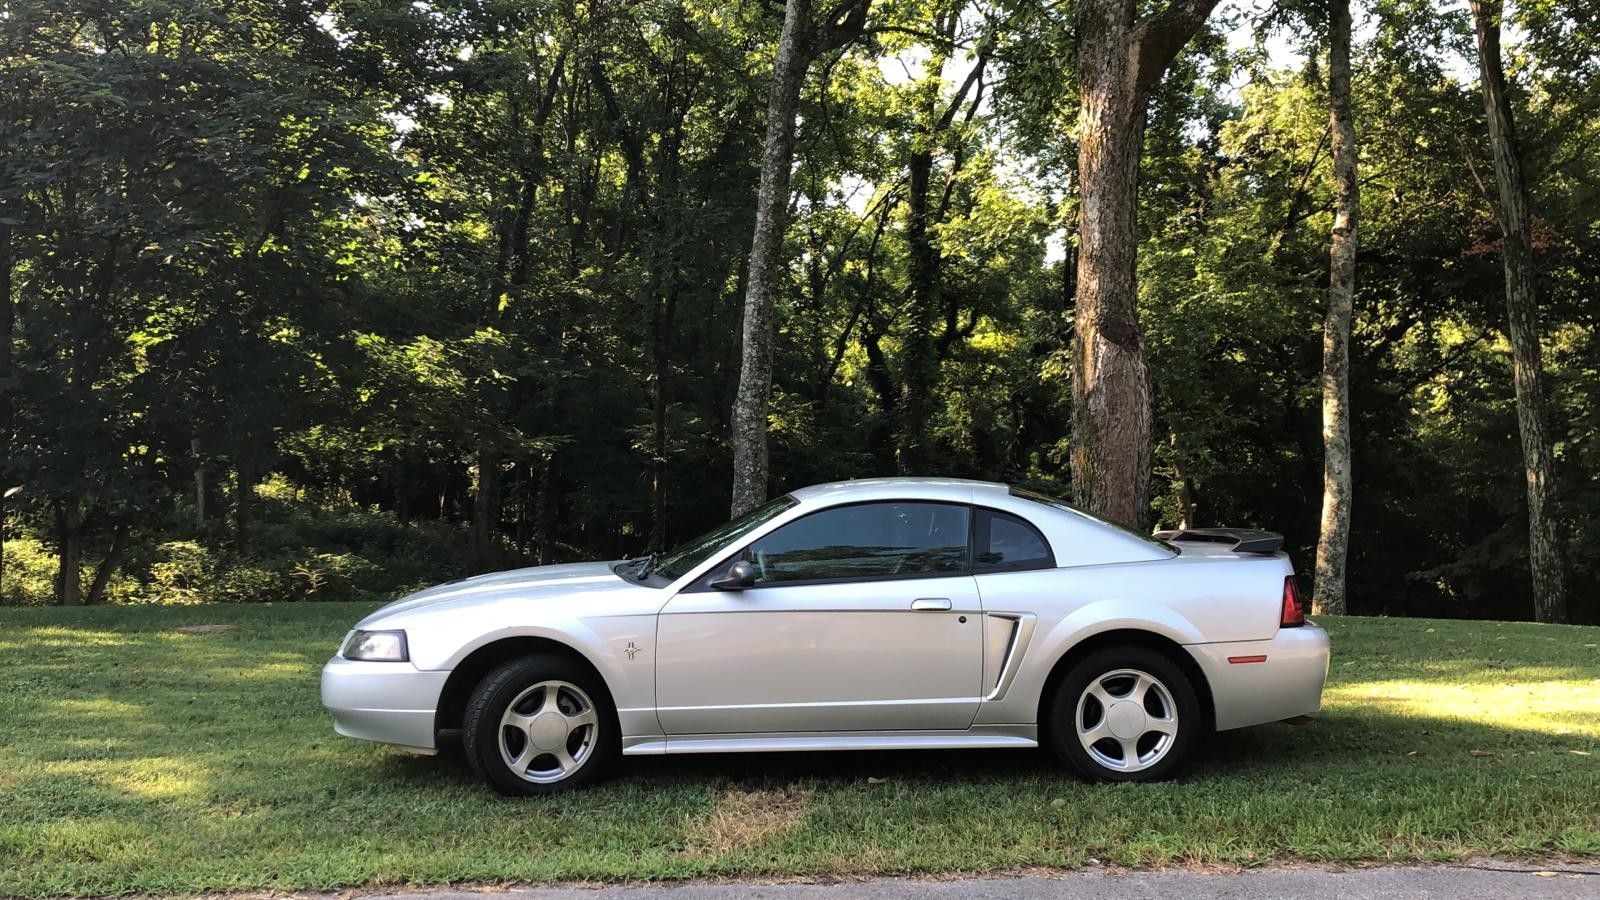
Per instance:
{"type": "Point", "coordinates": [601, 640]}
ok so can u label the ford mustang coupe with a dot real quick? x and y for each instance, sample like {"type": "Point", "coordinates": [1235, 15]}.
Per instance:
{"type": "Point", "coordinates": [888, 613]}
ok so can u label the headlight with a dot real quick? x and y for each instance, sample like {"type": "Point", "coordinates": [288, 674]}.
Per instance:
{"type": "Point", "coordinates": [376, 646]}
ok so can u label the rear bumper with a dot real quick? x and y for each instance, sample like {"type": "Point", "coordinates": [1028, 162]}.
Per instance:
{"type": "Point", "coordinates": [1286, 683]}
{"type": "Point", "coordinates": [392, 703]}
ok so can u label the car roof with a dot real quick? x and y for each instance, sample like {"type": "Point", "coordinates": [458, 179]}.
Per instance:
{"type": "Point", "coordinates": [1076, 537]}
{"type": "Point", "coordinates": [963, 490]}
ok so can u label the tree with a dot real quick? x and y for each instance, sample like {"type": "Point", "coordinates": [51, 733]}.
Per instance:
{"type": "Point", "coordinates": [800, 42]}
{"type": "Point", "coordinates": [1120, 61]}
{"type": "Point", "coordinates": [1333, 540]}
{"type": "Point", "coordinates": [925, 274]}
{"type": "Point", "coordinates": [1546, 555]}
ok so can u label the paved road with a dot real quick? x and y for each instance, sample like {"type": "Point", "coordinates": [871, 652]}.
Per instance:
{"type": "Point", "coordinates": [1361, 884]}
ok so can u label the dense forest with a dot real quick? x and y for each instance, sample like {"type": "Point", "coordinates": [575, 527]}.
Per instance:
{"type": "Point", "coordinates": [326, 299]}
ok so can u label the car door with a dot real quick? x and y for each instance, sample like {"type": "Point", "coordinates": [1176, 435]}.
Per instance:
{"type": "Point", "coordinates": [862, 617]}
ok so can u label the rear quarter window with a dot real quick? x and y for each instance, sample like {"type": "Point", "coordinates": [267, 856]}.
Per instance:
{"type": "Point", "coordinates": [1007, 543]}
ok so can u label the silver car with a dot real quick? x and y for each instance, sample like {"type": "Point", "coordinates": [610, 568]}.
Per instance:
{"type": "Point", "coordinates": [888, 614]}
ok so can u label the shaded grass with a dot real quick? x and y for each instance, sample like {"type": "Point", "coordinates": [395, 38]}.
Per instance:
{"type": "Point", "coordinates": [135, 758]}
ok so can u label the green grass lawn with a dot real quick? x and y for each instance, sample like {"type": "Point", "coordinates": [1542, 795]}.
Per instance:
{"type": "Point", "coordinates": [135, 758]}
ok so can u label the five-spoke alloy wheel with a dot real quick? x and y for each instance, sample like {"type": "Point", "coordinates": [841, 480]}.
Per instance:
{"type": "Point", "coordinates": [1124, 714]}
{"type": "Point", "coordinates": [539, 724]}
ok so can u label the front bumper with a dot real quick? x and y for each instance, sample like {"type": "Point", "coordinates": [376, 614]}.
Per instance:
{"type": "Point", "coordinates": [388, 702]}
{"type": "Point", "coordinates": [1286, 683]}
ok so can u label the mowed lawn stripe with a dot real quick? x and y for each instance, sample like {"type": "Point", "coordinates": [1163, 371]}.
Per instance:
{"type": "Point", "coordinates": [138, 758]}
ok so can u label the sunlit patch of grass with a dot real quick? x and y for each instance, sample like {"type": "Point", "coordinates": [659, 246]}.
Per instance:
{"type": "Point", "coordinates": [1552, 706]}
{"type": "Point", "coordinates": [139, 759]}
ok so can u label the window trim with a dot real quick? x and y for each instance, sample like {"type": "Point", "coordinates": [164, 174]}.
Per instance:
{"type": "Point", "coordinates": [982, 522]}
{"type": "Point", "coordinates": [703, 583]}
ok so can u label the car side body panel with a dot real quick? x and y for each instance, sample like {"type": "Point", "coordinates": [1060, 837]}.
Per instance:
{"type": "Point", "coordinates": [698, 670]}
{"type": "Point", "coordinates": [842, 657]}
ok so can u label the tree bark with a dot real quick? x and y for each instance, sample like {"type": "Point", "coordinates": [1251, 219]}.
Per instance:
{"type": "Point", "coordinates": [920, 368]}
{"type": "Point", "coordinates": [766, 251]}
{"type": "Point", "coordinates": [199, 484]}
{"type": "Point", "coordinates": [548, 509]}
{"type": "Point", "coordinates": [69, 528]}
{"type": "Point", "coordinates": [1180, 472]}
{"type": "Point", "coordinates": [244, 490]}
{"type": "Point", "coordinates": [1120, 61]}
{"type": "Point", "coordinates": [8, 327]}
{"type": "Point", "coordinates": [798, 44]}
{"type": "Point", "coordinates": [108, 566]}
{"type": "Point", "coordinates": [1546, 556]}
{"type": "Point", "coordinates": [658, 421]}
{"type": "Point", "coordinates": [486, 507]}
{"type": "Point", "coordinates": [664, 310]}
{"type": "Point", "coordinates": [1333, 541]}
{"type": "Point", "coordinates": [925, 258]}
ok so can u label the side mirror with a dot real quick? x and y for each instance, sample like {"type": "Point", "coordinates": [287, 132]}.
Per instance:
{"type": "Point", "coordinates": [740, 576]}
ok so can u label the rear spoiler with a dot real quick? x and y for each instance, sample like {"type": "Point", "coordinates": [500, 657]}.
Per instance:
{"type": "Point", "coordinates": [1244, 540]}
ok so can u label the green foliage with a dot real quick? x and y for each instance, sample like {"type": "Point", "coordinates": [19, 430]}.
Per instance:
{"type": "Point", "coordinates": [300, 551]}
{"type": "Point", "coordinates": [428, 267]}
{"type": "Point", "coordinates": [30, 571]}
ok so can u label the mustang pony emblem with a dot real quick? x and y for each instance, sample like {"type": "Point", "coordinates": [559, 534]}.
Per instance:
{"type": "Point", "coordinates": [630, 650]}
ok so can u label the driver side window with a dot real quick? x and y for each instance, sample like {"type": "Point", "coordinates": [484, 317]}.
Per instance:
{"type": "Point", "coordinates": [868, 540]}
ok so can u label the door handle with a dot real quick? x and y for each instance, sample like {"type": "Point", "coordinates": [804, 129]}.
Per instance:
{"type": "Point", "coordinates": [931, 604]}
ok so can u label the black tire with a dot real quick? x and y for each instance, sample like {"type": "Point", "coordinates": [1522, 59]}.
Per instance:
{"type": "Point", "coordinates": [490, 700]}
{"type": "Point", "coordinates": [1062, 710]}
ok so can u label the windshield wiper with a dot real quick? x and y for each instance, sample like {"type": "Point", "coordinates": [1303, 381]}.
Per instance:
{"type": "Point", "coordinates": [646, 563]}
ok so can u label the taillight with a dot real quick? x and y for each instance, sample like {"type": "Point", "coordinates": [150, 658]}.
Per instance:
{"type": "Point", "coordinates": [1294, 615]}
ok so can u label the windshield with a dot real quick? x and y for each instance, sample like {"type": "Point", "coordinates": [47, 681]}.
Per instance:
{"type": "Point", "coordinates": [688, 555]}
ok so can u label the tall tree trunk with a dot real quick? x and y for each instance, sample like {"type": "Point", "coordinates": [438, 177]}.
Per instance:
{"type": "Point", "coordinates": [199, 484]}
{"type": "Point", "coordinates": [1333, 542]}
{"type": "Point", "coordinates": [525, 505]}
{"type": "Point", "coordinates": [1545, 552]}
{"type": "Point", "coordinates": [69, 529]}
{"type": "Point", "coordinates": [1180, 472]}
{"type": "Point", "coordinates": [8, 327]}
{"type": "Point", "coordinates": [658, 420]}
{"type": "Point", "coordinates": [511, 272]}
{"type": "Point", "coordinates": [108, 566]}
{"type": "Point", "coordinates": [667, 220]}
{"type": "Point", "coordinates": [1120, 61]}
{"type": "Point", "coordinates": [244, 492]}
{"type": "Point", "coordinates": [486, 507]}
{"type": "Point", "coordinates": [549, 506]}
{"type": "Point", "coordinates": [766, 252]}
{"type": "Point", "coordinates": [798, 44]}
{"type": "Point", "coordinates": [921, 367]}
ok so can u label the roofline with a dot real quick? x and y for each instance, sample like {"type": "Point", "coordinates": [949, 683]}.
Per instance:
{"type": "Point", "coordinates": [910, 483]}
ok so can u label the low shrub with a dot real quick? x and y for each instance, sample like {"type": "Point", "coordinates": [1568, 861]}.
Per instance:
{"type": "Point", "coordinates": [295, 551]}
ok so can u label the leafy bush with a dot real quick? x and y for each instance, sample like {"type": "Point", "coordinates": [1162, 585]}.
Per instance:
{"type": "Point", "coordinates": [296, 551]}
{"type": "Point", "coordinates": [28, 577]}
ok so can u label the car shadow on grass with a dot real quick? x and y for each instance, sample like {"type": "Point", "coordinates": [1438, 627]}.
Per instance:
{"type": "Point", "coordinates": [1364, 745]}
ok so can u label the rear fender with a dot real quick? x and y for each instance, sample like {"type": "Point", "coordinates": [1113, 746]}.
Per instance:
{"type": "Point", "coordinates": [1116, 615]}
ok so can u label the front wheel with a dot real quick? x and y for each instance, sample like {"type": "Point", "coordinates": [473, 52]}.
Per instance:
{"type": "Point", "coordinates": [539, 725]}
{"type": "Point", "coordinates": [1125, 714]}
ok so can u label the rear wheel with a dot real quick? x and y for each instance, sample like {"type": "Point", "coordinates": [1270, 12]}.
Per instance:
{"type": "Point", "coordinates": [1125, 714]}
{"type": "Point", "coordinates": [538, 725]}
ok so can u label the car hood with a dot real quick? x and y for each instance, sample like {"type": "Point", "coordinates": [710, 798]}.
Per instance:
{"type": "Point", "coordinates": [571, 581]}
